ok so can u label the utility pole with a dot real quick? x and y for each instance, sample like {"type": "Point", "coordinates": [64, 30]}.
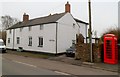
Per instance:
{"type": "Point", "coordinates": [90, 31]}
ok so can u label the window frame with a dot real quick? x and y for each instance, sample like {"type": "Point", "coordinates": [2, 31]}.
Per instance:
{"type": "Point", "coordinates": [30, 28]}
{"type": "Point", "coordinates": [21, 29]}
{"type": "Point", "coordinates": [73, 42]}
{"type": "Point", "coordinates": [30, 41]}
{"type": "Point", "coordinates": [8, 40]}
{"type": "Point", "coordinates": [10, 31]}
{"type": "Point", "coordinates": [18, 40]}
{"type": "Point", "coordinates": [73, 25]}
{"type": "Point", "coordinates": [40, 41]}
{"type": "Point", "coordinates": [41, 26]}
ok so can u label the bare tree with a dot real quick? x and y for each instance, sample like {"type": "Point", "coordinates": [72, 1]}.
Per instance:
{"type": "Point", "coordinates": [7, 21]}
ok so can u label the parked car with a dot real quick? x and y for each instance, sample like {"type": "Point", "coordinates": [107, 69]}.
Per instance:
{"type": "Point", "coordinates": [2, 46]}
{"type": "Point", "coordinates": [70, 52]}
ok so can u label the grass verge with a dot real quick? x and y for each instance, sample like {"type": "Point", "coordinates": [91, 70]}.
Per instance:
{"type": "Point", "coordinates": [31, 54]}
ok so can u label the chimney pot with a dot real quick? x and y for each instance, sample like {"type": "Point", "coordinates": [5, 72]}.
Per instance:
{"type": "Point", "coordinates": [67, 7]}
{"type": "Point", "coordinates": [25, 17]}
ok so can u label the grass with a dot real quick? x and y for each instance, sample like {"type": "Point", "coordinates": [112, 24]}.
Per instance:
{"type": "Point", "coordinates": [31, 54]}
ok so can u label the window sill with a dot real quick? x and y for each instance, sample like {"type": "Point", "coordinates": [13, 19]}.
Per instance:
{"type": "Point", "coordinates": [40, 46]}
{"type": "Point", "coordinates": [29, 45]}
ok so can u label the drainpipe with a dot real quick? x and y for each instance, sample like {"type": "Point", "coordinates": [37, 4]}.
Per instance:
{"type": "Point", "coordinates": [56, 35]}
{"type": "Point", "coordinates": [13, 37]}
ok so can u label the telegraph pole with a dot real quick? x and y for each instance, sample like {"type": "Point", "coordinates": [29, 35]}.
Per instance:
{"type": "Point", "coordinates": [90, 31]}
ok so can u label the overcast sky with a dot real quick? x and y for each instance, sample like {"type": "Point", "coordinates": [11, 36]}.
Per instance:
{"type": "Point", "coordinates": [104, 12]}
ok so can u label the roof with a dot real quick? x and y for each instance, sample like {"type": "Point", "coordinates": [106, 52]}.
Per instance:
{"type": "Point", "coordinates": [77, 20]}
{"type": "Point", "coordinates": [109, 35]}
{"type": "Point", "coordinates": [38, 21]}
{"type": "Point", "coordinates": [41, 20]}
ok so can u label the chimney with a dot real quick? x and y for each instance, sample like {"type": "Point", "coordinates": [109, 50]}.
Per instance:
{"type": "Point", "coordinates": [25, 17]}
{"type": "Point", "coordinates": [67, 7]}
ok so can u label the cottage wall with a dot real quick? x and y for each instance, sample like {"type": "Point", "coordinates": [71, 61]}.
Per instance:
{"type": "Point", "coordinates": [48, 33]}
{"type": "Point", "coordinates": [83, 29]}
{"type": "Point", "coordinates": [67, 30]}
{"type": "Point", "coordinates": [9, 35]}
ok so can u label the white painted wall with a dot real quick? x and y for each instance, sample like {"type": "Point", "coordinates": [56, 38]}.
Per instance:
{"type": "Point", "coordinates": [66, 32]}
{"type": "Point", "coordinates": [48, 33]}
{"type": "Point", "coordinates": [9, 35]}
{"type": "Point", "coordinates": [17, 34]}
{"type": "Point", "coordinates": [83, 30]}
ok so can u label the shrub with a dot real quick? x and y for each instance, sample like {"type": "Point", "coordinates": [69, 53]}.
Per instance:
{"type": "Point", "coordinates": [115, 31]}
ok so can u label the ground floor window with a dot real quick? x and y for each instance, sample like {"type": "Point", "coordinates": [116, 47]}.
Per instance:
{"type": "Point", "coordinates": [8, 40]}
{"type": "Point", "coordinates": [18, 40]}
{"type": "Point", "coordinates": [73, 42]}
{"type": "Point", "coordinates": [40, 41]}
{"type": "Point", "coordinates": [30, 41]}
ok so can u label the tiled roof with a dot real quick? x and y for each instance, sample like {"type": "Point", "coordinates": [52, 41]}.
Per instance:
{"type": "Point", "coordinates": [41, 20]}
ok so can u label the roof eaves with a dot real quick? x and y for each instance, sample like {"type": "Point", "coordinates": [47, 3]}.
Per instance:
{"type": "Point", "coordinates": [28, 25]}
{"type": "Point", "coordinates": [81, 21]}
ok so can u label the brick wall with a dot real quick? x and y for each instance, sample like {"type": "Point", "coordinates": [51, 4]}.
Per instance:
{"type": "Point", "coordinates": [83, 51]}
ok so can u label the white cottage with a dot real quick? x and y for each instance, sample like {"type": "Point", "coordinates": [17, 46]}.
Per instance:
{"type": "Point", "coordinates": [50, 34]}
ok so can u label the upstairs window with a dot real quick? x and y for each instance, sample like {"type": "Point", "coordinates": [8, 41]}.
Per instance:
{"type": "Point", "coordinates": [18, 40]}
{"type": "Point", "coordinates": [21, 29]}
{"type": "Point", "coordinates": [73, 25]}
{"type": "Point", "coordinates": [40, 41]}
{"type": "Point", "coordinates": [41, 27]}
{"type": "Point", "coordinates": [30, 28]}
{"type": "Point", "coordinates": [10, 31]}
{"type": "Point", "coordinates": [30, 41]}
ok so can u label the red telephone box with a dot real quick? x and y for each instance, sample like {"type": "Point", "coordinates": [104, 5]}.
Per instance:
{"type": "Point", "coordinates": [110, 49]}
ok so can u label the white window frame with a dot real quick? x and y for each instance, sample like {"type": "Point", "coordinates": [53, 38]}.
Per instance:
{"type": "Point", "coordinates": [21, 29]}
{"type": "Point", "coordinates": [30, 41]}
{"type": "Point", "coordinates": [40, 41]}
{"type": "Point", "coordinates": [8, 40]}
{"type": "Point", "coordinates": [30, 28]}
{"type": "Point", "coordinates": [73, 25]}
{"type": "Point", "coordinates": [41, 27]}
{"type": "Point", "coordinates": [10, 31]}
{"type": "Point", "coordinates": [18, 40]}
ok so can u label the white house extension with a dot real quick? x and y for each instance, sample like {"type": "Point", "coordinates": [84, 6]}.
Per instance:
{"type": "Point", "coordinates": [50, 34]}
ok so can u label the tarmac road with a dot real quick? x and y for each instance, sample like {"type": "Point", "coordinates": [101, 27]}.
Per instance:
{"type": "Point", "coordinates": [10, 67]}
{"type": "Point", "coordinates": [19, 65]}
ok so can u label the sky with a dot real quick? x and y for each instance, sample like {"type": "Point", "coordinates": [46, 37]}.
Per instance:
{"type": "Point", "coordinates": [104, 12]}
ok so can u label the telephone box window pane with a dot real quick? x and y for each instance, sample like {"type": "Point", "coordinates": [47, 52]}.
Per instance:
{"type": "Point", "coordinates": [109, 49]}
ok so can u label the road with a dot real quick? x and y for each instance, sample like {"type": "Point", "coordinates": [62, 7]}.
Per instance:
{"type": "Point", "coordinates": [19, 65]}
{"type": "Point", "coordinates": [19, 68]}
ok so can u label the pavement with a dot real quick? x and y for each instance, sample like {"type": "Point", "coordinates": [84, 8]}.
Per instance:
{"type": "Point", "coordinates": [57, 66]}
{"type": "Point", "coordinates": [101, 66]}
{"type": "Point", "coordinates": [72, 61]}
